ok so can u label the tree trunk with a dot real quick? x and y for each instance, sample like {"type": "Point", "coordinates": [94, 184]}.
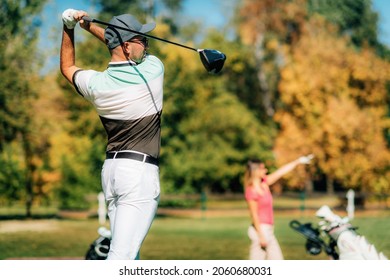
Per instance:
{"type": "Point", "coordinates": [309, 186]}
{"type": "Point", "coordinates": [267, 95]}
{"type": "Point", "coordinates": [29, 180]}
{"type": "Point", "coordinates": [329, 185]}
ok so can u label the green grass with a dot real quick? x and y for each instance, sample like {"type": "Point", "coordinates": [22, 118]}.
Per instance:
{"type": "Point", "coordinates": [45, 238]}
{"type": "Point", "coordinates": [170, 238]}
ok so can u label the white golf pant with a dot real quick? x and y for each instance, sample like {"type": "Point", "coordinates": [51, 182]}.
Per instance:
{"type": "Point", "coordinates": [132, 191]}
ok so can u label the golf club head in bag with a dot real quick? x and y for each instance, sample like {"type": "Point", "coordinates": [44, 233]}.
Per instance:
{"type": "Point", "coordinates": [212, 60]}
{"type": "Point", "coordinates": [99, 248]}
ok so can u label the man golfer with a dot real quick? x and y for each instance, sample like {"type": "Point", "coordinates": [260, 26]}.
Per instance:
{"type": "Point", "coordinates": [128, 98]}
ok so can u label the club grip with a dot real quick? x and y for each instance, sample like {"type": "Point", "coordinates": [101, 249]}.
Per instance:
{"type": "Point", "coordinates": [87, 19]}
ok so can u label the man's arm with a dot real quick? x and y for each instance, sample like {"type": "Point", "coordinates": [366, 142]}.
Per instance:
{"type": "Point", "coordinates": [70, 18]}
{"type": "Point", "coordinates": [67, 54]}
{"type": "Point", "coordinates": [94, 29]}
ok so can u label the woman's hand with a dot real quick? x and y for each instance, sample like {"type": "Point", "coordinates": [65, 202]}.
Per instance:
{"type": "Point", "coordinates": [306, 159]}
{"type": "Point", "coordinates": [263, 242]}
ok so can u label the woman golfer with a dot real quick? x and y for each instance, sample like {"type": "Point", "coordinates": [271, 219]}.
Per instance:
{"type": "Point", "coordinates": [264, 245]}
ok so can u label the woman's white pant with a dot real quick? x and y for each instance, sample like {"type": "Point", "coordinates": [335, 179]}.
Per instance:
{"type": "Point", "coordinates": [132, 191]}
{"type": "Point", "coordinates": [271, 252]}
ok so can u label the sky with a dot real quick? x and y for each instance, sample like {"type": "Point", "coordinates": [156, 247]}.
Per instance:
{"type": "Point", "coordinates": [382, 7]}
{"type": "Point", "coordinates": [212, 13]}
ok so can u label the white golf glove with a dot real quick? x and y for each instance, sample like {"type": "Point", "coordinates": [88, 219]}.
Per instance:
{"type": "Point", "coordinates": [306, 159]}
{"type": "Point", "coordinates": [68, 18]}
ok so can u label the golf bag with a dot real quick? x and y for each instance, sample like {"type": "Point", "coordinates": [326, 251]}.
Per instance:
{"type": "Point", "coordinates": [337, 237]}
{"type": "Point", "coordinates": [99, 248]}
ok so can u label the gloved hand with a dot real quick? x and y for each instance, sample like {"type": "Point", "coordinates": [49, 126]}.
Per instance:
{"type": "Point", "coordinates": [306, 159]}
{"type": "Point", "coordinates": [68, 18]}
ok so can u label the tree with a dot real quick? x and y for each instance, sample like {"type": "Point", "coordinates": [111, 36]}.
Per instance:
{"type": "Point", "coordinates": [333, 105]}
{"type": "Point", "coordinates": [78, 163]}
{"type": "Point", "coordinates": [268, 26]}
{"type": "Point", "coordinates": [11, 176]}
{"type": "Point", "coordinates": [18, 37]}
{"type": "Point", "coordinates": [354, 18]}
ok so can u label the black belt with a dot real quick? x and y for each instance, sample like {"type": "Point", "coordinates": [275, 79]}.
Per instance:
{"type": "Point", "coordinates": [132, 155]}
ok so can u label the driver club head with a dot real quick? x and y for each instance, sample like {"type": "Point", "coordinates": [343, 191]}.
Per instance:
{"type": "Point", "coordinates": [212, 60]}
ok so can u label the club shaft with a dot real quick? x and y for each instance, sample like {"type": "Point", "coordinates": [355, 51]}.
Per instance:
{"type": "Point", "coordinates": [139, 33]}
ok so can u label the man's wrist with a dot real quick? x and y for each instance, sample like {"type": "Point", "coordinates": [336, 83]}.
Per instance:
{"type": "Point", "coordinates": [68, 30]}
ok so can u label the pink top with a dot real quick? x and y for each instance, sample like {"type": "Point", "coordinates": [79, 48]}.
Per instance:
{"type": "Point", "coordinates": [264, 204]}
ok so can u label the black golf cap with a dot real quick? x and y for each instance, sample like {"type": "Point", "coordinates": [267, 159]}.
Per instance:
{"type": "Point", "coordinates": [115, 37]}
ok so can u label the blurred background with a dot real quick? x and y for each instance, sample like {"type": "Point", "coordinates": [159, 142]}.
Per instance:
{"type": "Point", "coordinates": [301, 77]}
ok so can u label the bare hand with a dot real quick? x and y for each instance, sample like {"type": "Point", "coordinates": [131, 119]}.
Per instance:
{"type": "Point", "coordinates": [79, 17]}
{"type": "Point", "coordinates": [263, 243]}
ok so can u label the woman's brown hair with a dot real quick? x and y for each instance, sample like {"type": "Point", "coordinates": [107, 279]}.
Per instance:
{"type": "Point", "coordinates": [251, 166]}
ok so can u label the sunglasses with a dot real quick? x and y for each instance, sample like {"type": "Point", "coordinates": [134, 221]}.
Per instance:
{"type": "Point", "coordinates": [144, 41]}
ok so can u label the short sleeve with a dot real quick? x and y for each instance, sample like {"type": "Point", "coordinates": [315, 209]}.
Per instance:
{"type": "Point", "coordinates": [81, 80]}
{"type": "Point", "coordinates": [250, 194]}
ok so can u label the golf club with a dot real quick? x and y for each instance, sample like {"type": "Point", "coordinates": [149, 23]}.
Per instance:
{"type": "Point", "coordinates": [212, 60]}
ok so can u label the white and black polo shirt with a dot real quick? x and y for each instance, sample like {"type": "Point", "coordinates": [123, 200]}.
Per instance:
{"type": "Point", "coordinates": [129, 100]}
